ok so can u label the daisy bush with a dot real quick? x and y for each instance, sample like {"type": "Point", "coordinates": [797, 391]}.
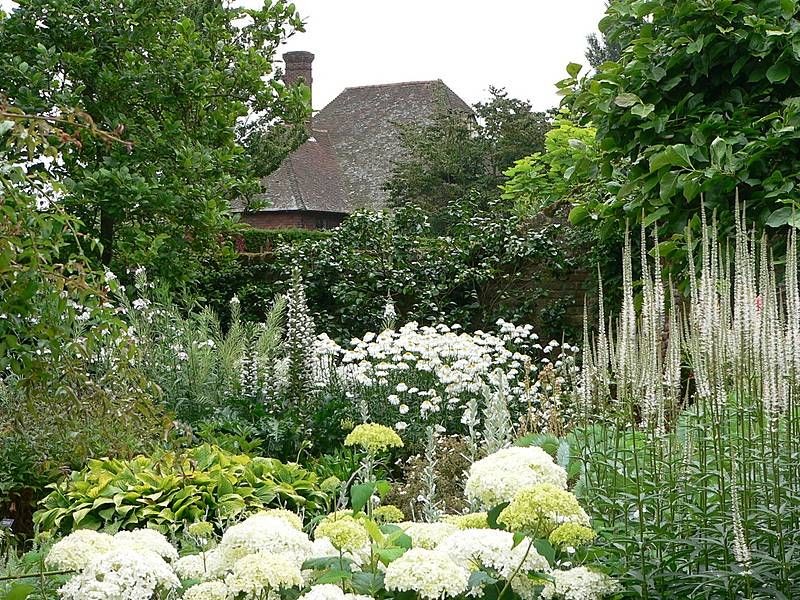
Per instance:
{"type": "Point", "coordinates": [416, 376]}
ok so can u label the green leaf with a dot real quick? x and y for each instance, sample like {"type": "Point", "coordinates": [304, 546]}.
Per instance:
{"type": "Point", "coordinates": [494, 513]}
{"type": "Point", "coordinates": [779, 72]}
{"type": "Point", "coordinates": [578, 214]}
{"type": "Point", "coordinates": [643, 110]}
{"type": "Point", "coordinates": [334, 576]}
{"type": "Point", "coordinates": [387, 555]}
{"type": "Point", "coordinates": [544, 548]}
{"type": "Point", "coordinates": [626, 100]}
{"type": "Point", "coordinates": [573, 69]}
{"type": "Point", "coordinates": [20, 591]}
{"type": "Point", "coordinates": [480, 578]}
{"type": "Point", "coordinates": [784, 216]}
{"type": "Point", "coordinates": [655, 216]}
{"type": "Point", "coordinates": [360, 495]}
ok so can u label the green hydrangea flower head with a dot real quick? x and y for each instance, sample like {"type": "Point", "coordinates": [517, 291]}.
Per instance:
{"type": "Point", "coordinates": [388, 514]}
{"type": "Point", "coordinates": [538, 510]}
{"type": "Point", "coordinates": [373, 438]}
{"type": "Point", "coordinates": [344, 532]}
{"type": "Point", "coordinates": [571, 535]}
{"type": "Point", "coordinates": [330, 484]}
{"type": "Point", "coordinates": [202, 530]}
{"type": "Point", "coordinates": [475, 520]}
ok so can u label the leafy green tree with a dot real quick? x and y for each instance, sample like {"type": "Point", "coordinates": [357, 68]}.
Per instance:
{"type": "Point", "coordinates": [703, 102]}
{"type": "Point", "coordinates": [565, 172]}
{"type": "Point", "coordinates": [173, 79]}
{"type": "Point", "coordinates": [458, 156]}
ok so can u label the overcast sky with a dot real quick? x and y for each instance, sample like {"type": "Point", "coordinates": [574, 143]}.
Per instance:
{"type": "Point", "coordinates": [522, 45]}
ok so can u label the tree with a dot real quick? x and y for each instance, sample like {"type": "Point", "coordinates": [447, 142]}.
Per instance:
{"type": "Point", "coordinates": [172, 78]}
{"type": "Point", "coordinates": [600, 49]}
{"type": "Point", "coordinates": [702, 103]}
{"type": "Point", "coordinates": [457, 156]}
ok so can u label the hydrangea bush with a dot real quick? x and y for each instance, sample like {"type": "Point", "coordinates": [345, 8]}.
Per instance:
{"type": "Point", "coordinates": [503, 553]}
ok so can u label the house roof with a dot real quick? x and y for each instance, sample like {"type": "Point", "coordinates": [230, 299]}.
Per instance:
{"type": "Point", "coordinates": [352, 147]}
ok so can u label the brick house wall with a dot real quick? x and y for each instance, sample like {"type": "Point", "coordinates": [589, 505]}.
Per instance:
{"type": "Point", "coordinates": [300, 219]}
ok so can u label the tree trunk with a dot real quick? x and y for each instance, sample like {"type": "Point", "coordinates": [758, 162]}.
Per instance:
{"type": "Point", "coordinates": [106, 237]}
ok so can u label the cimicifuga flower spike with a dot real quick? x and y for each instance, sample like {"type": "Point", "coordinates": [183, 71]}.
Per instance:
{"type": "Point", "coordinates": [792, 305]}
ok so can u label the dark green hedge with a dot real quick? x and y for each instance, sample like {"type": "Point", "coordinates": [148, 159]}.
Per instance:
{"type": "Point", "coordinates": [264, 240]}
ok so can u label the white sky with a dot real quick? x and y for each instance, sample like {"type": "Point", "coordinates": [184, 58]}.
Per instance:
{"type": "Point", "coordinates": [522, 45]}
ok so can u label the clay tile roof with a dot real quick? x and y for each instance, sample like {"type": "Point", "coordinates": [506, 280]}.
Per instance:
{"type": "Point", "coordinates": [353, 145]}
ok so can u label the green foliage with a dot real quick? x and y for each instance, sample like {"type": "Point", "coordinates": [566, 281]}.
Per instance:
{"type": "Point", "coordinates": [702, 101]}
{"type": "Point", "coordinates": [488, 265]}
{"type": "Point", "coordinates": [565, 171]}
{"type": "Point", "coordinates": [264, 241]}
{"type": "Point", "coordinates": [169, 490]}
{"type": "Point", "coordinates": [457, 156]}
{"type": "Point", "coordinates": [67, 390]}
{"type": "Point", "coordinates": [173, 81]}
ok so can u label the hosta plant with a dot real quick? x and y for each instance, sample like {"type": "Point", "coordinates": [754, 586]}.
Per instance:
{"type": "Point", "coordinates": [169, 490]}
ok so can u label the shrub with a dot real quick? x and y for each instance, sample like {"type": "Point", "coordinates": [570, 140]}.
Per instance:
{"type": "Point", "coordinates": [169, 489]}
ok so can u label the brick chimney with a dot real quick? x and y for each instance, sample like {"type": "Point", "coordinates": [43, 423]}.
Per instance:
{"type": "Point", "coordinates": [298, 68]}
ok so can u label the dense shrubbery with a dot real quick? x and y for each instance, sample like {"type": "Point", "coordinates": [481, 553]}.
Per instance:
{"type": "Point", "coordinates": [491, 265]}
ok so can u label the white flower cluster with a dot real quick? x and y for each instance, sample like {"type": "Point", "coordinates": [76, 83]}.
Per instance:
{"type": "Point", "coordinates": [430, 370]}
{"type": "Point", "coordinates": [494, 549]}
{"type": "Point", "coordinates": [427, 535]}
{"type": "Point", "coordinates": [430, 573]}
{"type": "Point", "coordinates": [263, 553]}
{"type": "Point", "coordinates": [579, 583]}
{"type": "Point", "coordinates": [328, 591]}
{"type": "Point", "coordinates": [121, 574]}
{"type": "Point", "coordinates": [498, 477]}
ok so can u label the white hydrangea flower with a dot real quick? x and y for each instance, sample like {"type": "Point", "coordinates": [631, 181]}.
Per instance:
{"type": "Point", "coordinates": [579, 583]}
{"type": "Point", "coordinates": [147, 539]}
{"type": "Point", "coordinates": [76, 550]}
{"type": "Point", "coordinates": [208, 590]}
{"type": "Point", "coordinates": [427, 535]}
{"type": "Point", "coordinates": [121, 574]}
{"type": "Point", "coordinates": [265, 533]}
{"type": "Point", "coordinates": [492, 548]}
{"type": "Point", "coordinates": [328, 591]}
{"type": "Point", "coordinates": [498, 477]}
{"type": "Point", "coordinates": [324, 591]}
{"type": "Point", "coordinates": [191, 566]}
{"type": "Point", "coordinates": [255, 574]}
{"type": "Point", "coordinates": [430, 573]}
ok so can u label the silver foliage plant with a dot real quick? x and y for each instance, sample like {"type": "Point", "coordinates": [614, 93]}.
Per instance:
{"type": "Point", "coordinates": [690, 422]}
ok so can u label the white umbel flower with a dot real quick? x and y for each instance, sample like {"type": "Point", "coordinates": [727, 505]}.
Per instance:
{"type": "Point", "coordinates": [209, 590]}
{"type": "Point", "coordinates": [430, 573]}
{"type": "Point", "coordinates": [498, 477]}
{"type": "Point", "coordinates": [328, 591]}
{"type": "Point", "coordinates": [427, 535]}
